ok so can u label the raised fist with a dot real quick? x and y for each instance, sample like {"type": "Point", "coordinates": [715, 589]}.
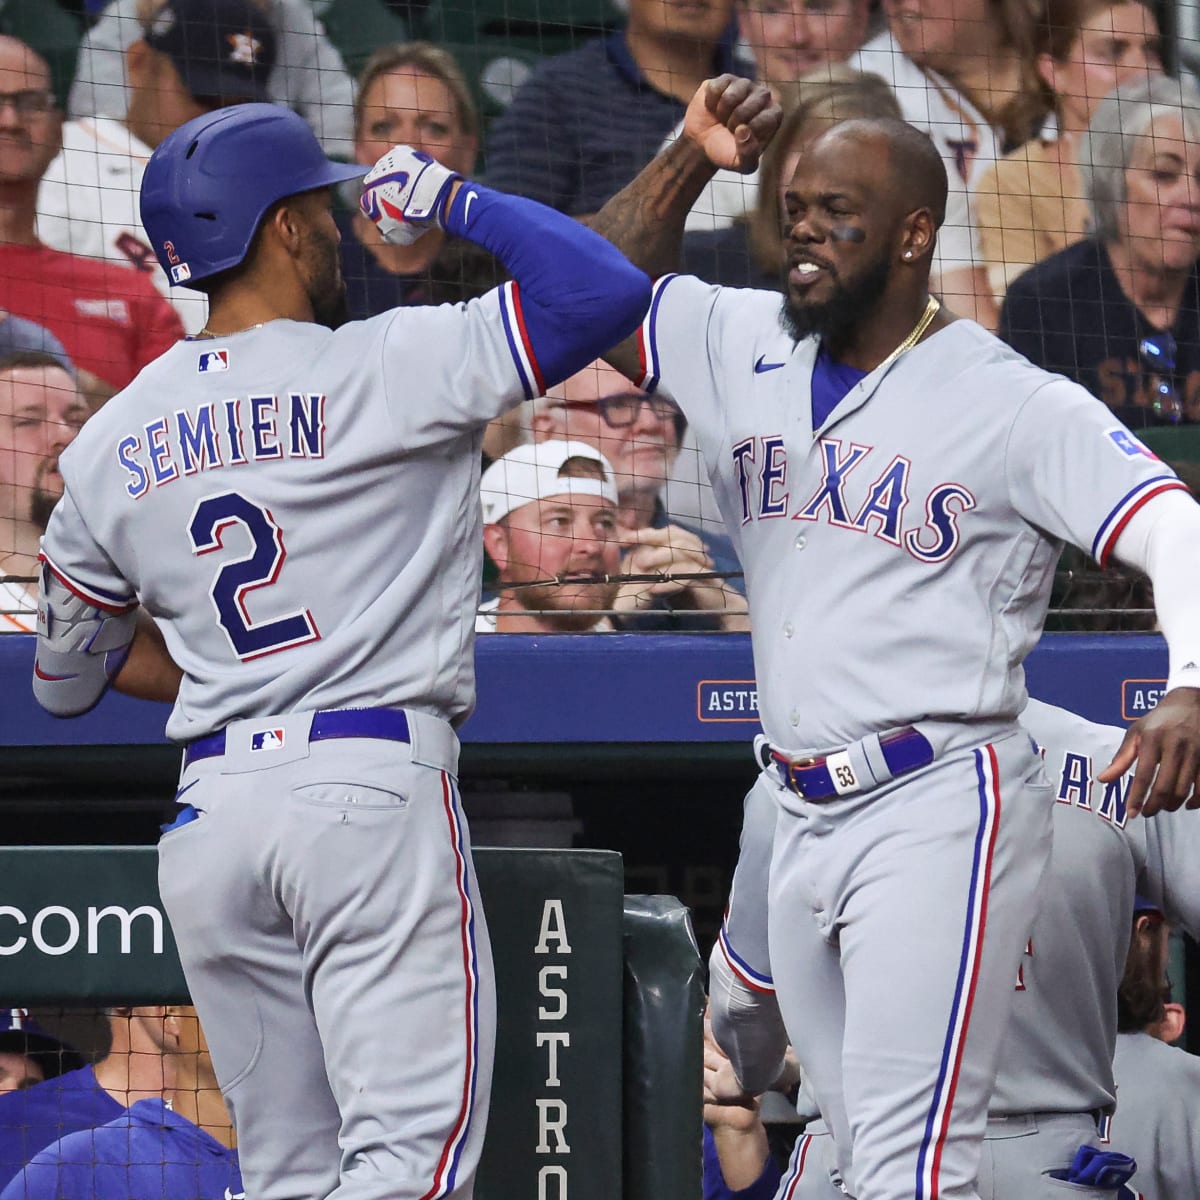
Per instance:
{"type": "Point", "coordinates": [404, 194]}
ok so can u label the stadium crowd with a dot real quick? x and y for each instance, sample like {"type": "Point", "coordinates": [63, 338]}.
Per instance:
{"type": "Point", "coordinates": [1073, 226]}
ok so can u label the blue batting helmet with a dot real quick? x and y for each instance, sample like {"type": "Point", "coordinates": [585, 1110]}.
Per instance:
{"type": "Point", "coordinates": [208, 184]}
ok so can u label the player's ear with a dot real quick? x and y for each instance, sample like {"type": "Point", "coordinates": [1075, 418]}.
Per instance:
{"type": "Point", "coordinates": [918, 235]}
{"type": "Point", "coordinates": [288, 224]}
{"type": "Point", "coordinates": [495, 542]}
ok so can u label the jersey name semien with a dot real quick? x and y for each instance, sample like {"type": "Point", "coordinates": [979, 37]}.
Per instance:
{"type": "Point", "coordinates": [228, 433]}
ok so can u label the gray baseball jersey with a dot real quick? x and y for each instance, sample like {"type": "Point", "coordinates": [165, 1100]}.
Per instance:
{"type": "Point", "coordinates": [920, 525]}
{"type": "Point", "coordinates": [1057, 1055]}
{"type": "Point", "coordinates": [898, 563]}
{"type": "Point", "coordinates": [314, 485]}
{"type": "Point", "coordinates": [1158, 1115]}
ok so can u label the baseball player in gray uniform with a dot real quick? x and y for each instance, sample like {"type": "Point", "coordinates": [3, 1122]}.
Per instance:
{"type": "Point", "coordinates": [1158, 1085]}
{"type": "Point", "coordinates": [899, 484]}
{"type": "Point", "coordinates": [297, 507]}
{"type": "Point", "coordinates": [1054, 1089]}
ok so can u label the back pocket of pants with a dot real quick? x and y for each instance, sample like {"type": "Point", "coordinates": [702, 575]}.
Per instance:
{"type": "Point", "coordinates": [349, 796]}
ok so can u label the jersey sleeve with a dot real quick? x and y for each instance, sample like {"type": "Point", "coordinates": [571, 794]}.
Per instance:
{"type": "Point", "coordinates": [690, 340]}
{"type": "Point", "coordinates": [450, 368]}
{"type": "Point", "coordinates": [74, 555]}
{"type": "Point", "coordinates": [1171, 879]}
{"type": "Point", "coordinates": [1076, 472]}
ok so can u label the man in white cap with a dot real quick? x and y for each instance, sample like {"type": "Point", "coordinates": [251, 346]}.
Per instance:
{"type": "Point", "coordinates": [550, 510]}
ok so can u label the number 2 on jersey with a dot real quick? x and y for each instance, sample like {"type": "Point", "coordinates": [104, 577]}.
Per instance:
{"type": "Point", "coordinates": [238, 577]}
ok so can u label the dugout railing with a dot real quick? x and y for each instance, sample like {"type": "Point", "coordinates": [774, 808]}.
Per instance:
{"type": "Point", "coordinates": [600, 998]}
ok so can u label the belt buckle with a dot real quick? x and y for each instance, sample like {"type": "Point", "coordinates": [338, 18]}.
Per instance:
{"type": "Point", "coordinates": [801, 763]}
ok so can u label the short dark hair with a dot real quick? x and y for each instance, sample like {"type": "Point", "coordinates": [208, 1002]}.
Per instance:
{"type": "Point", "coordinates": [1140, 995]}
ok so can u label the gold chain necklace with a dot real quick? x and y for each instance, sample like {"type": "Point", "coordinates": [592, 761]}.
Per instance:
{"type": "Point", "coordinates": [208, 333]}
{"type": "Point", "coordinates": [913, 338]}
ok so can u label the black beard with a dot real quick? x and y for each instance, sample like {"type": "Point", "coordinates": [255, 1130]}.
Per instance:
{"type": "Point", "coordinates": [332, 308]}
{"type": "Point", "coordinates": [327, 289]}
{"type": "Point", "coordinates": [845, 309]}
{"type": "Point", "coordinates": [41, 505]}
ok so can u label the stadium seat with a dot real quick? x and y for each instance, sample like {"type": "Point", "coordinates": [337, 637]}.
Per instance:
{"type": "Point", "coordinates": [1175, 443]}
{"type": "Point", "coordinates": [540, 26]}
{"type": "Point", "coordinates": [357, 28]}
{"type": "Point", "coordinates": [498, 42]}
{"type": "Point", "coordinates": [494, 70]}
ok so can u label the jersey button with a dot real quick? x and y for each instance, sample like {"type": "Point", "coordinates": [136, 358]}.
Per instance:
{"type": "Point", "coordinates": [788, 629]}
{"type": "Point", "coordinates": [801, 541]}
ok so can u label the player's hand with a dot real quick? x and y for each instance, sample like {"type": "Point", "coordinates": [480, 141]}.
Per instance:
{"type": "Point", "coordinates": [405, 194]}
{"type": "Point", "coordinates": [1165, 744]}
{"type": "Point", "coordinates": [726, 1105]}
{"type": "Point", "coordinates": [732, 119]}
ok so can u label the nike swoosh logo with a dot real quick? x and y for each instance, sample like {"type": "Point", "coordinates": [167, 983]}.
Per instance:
{"type": "Point", "coordinates": [187, 787]}
{"type": "Point", "coordinates": [467, 206]}
{"type": "Point", "coordinates": [760, 366]}
{"type": "Point", "coordinates": [37, 670]}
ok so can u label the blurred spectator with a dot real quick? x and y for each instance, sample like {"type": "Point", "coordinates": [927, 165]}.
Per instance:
{"type": "Point", "coordinates": [28, 1054]}
{"type": "Point", "coordinates": [980, 40]}
{"type": "Point", "coordinates": [415, 93]}
{"type": "Point", "coordinates": [1031, 203]}
{"type": "Point", "coordinates": [309, 74]}
{"type": "Point", "coordinates": [1120, 311]}
{"type": "Point", "coordinates": [586, 122]}
{"type": "Point", "coordinates": [41, 411]}
{"type": "Point", "coordinates": [789, 39]}
{"type": "Point", "coordinates": [1158, 1086]}
{"type": "Point", "coordinates": [793, 42]}
{"type": "Point", "coordinates": [640, 435]}
{"type": "Point", "coordinates": [750, 251]}
{"type": "Point", "coordinates": [196, 55]}
{"type": "Point", "coordinates": [548, 511]}
{"type": "Point", "coordinates": [111, 319]}
{"type": "Point", "coordinates": [53, 28]}
{"type": "Point", "coordinates": [18, 334]}
{"type": "Point", "coordinates": [132, 1069]}
{"type": "Point", "coordinates": [176, 1146]}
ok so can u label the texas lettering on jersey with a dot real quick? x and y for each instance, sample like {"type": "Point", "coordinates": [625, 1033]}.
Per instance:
{"type": "Point", "coordinates": [225, 433]}
{"type": "Point", "coordinates": [875, 501]}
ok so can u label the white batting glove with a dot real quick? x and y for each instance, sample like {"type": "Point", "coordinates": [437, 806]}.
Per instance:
{"type": "Point", "coordinates": [403, 194]}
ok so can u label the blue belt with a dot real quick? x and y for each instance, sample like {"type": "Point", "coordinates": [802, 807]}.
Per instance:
{"type": "Point", "coordinates": [903, 750]}
{"type": "Point", "coordinates": [387, 724]}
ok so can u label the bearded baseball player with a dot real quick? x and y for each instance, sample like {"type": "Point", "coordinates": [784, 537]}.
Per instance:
{"type": "Point", "coordinates": [295, 501]}
{"type": "Point", "coordinates": [1054, 1090]}
{"type": "Point", "coordinates": [900, 484]}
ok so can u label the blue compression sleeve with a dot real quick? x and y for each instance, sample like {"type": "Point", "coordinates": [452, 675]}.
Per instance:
{"type": "Point", "coordinates": [715, 1187]}
{"type": "Point", "coordinates": [579, 294]}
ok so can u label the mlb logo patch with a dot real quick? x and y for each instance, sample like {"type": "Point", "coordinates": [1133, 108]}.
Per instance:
{"type": "Point", "coordinates": [180, 273]}
{"type": "Point", "coordinates": [213, 360]}
{"type": "Point", "coordinates": [1129, 445]}
{"type": "Point", "coordinates": [266, 739]}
